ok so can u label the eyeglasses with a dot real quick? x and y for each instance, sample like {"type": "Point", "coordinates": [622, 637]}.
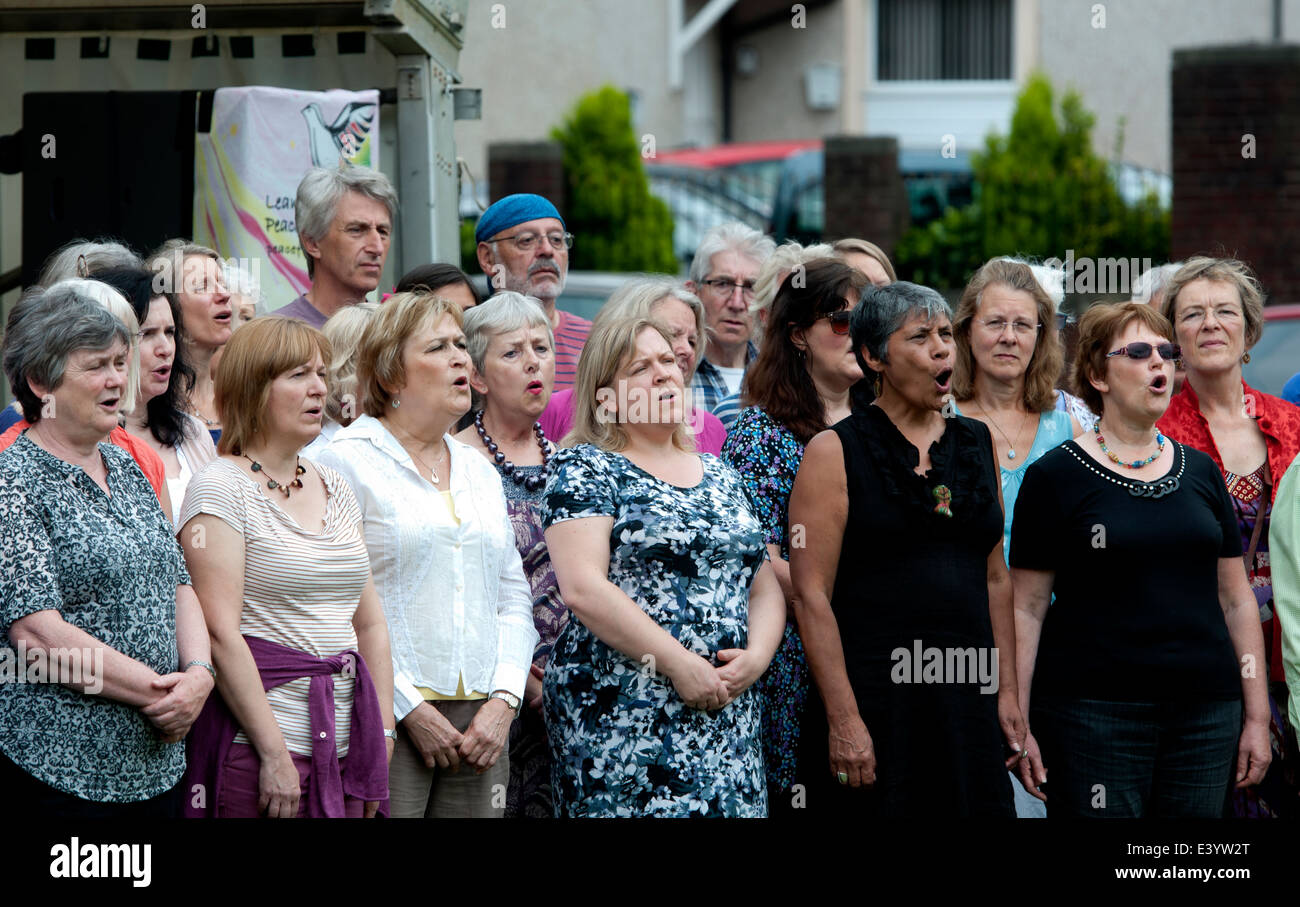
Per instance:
{"type": "Point", "coordinates": [724, 287]}
{"type": "Point", "coordinates": [1021, 328]}
{"type": "Point", "coordinates": [525, 242]}
{"type": "Point", "coordinates": [1142, 351]}
{"type": "Point", "coordinates": [839, 321]}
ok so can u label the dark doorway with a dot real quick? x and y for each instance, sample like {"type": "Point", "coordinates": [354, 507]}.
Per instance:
{"type": "Point", "coordinates": [122, 166]}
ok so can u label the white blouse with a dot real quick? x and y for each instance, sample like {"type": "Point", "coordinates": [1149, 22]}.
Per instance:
{"type": "Point", "coordinates": [455, 596]}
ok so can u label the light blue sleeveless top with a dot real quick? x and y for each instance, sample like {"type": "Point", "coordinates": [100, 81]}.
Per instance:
{"type": "Point", "coordinates": [1053, 429]}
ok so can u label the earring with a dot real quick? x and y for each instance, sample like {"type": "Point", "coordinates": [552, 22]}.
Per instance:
{"type": "Point", "coordinates": [875, 387]}
{"type": "Point", "coordinates": [1245, 358]}
{"type": "Point", "coordinates": [396, 403]}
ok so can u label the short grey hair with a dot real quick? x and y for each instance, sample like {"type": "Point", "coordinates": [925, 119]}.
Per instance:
{"type": "Point", "coordinates": [109, 298]}
{"type": "Point", "coordinates": [44, 329]}
{"type": "Point", "coordinates": [1153, 281]}
{"type": "Point", "coordinates": [883, 310]}
{"type": "Point", "coordinates": [638, 297]}
{"type": "Point", "coordinates": [505, 312]}
{"type": "Point", "coordinates": [100, 255]}
{"type": "Point", "coordinates": [244, 280]}
{"type": "Point", "coordinates": [733, 236]}
{"type": "Point", "coordinates": [322, 189]}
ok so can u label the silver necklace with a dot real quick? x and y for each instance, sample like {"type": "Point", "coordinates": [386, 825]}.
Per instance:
{"type": "Point", "coordinates": [433, 472]}
{"type": "Point", "coordinates": [1011, 445]}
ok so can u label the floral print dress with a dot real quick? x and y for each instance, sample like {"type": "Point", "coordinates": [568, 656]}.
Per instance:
{"type": "Point", "coordinates": [622, 741]}
{"type": "Point", "coordinates": [767, 456]}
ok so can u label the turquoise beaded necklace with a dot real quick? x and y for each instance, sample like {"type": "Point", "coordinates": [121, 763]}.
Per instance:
{"type": "Point", "coordinates": [1136, 464]}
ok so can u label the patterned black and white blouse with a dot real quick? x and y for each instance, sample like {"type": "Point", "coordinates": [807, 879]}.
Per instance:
{"type": "Point", "coordinates": [110, 566]}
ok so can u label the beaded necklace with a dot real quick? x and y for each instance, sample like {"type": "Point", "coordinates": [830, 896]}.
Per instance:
{"type": "Point", "coordinates": [531, 483]}
{"type": "Point", "coordinates": [272, 484]}
{"type": "Point", "coordinates": [1136, 464]}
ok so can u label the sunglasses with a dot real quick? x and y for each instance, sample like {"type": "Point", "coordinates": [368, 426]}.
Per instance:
{"type": "Point", "coordinates": [839, 321]}
{"type": "Point", "coordinates": [1142, 351]}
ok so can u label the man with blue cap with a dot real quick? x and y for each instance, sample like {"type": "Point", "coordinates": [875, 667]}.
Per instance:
{"type": "Point", "coordinates": [523, 247]}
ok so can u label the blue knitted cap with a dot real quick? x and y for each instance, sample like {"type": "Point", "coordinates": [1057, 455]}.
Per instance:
{"type": "Point", "coordinates": [513, 209]}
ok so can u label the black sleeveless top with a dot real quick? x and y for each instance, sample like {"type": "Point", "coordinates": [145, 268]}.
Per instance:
{"type": "Point", "coordinates": [912, 579]}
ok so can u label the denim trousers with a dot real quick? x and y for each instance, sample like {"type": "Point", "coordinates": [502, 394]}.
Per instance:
{"type": "Point", "coordinates": [1137, 759]}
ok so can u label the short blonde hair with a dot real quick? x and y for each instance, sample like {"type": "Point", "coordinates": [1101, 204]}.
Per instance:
{"type": "Point", "coordinates": [869, 249]}
{"type": "Point", "coordinates": [1221, 270]}
{"type": "Point", "coordinates": [1098, 328]}
{"type": "Point", "coordinates": [256, 355]}
{"type": "Point", "coordinates": [119, 308]}
{"type": "Point", "coordinates": [344, 330]}
{"type": "Point", "coordinates": [380, 368]}
{"type": "Point", "coordinates": [611, 342]}
{"type": "Point", "coordinates": [167, 262]}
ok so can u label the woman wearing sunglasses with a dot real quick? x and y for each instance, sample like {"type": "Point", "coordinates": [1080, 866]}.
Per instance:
{"type": "Point", "coordinates": [798, 386]}
{"type": "Point", "coordinates": [1137, 673]}
{"type": "Point", "coordinates": [1216, 308]}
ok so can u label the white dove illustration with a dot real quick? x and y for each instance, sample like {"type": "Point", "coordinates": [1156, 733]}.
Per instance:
{"type": "Point", "coordinates": [344, 135]}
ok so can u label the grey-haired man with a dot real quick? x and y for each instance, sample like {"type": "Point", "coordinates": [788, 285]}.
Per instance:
{"type": "Point", "coordinates": [345, 226]}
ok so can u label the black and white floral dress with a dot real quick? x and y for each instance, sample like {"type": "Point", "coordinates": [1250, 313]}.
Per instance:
{"type": "Point", "coordinates": [622, 741]}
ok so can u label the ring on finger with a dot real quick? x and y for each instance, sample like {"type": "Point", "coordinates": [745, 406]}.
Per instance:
{"type": "Point", "coordinates": [842, 777]}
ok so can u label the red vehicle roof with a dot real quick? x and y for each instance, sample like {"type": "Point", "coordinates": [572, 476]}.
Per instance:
{"type": "Point", "coordinates": [734, 153]}
{"type": "Point", "coordinates": [1282, 312]}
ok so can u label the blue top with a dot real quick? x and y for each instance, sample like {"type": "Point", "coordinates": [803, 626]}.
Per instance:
{"type": "Point", "coordinates": [1291, 390]}
{"type": "Point", "coordinates": [1053, 429]}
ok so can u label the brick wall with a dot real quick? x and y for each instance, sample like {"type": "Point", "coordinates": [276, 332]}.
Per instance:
{"type": "Point", "coordinates": [536, 167]}
{"type": "Point", "coordinates": [865, 197]}
{"type": "Point", "coordinates": [1225, 201]}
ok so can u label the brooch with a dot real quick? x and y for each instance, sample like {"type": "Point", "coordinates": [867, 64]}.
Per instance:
{"type": "Point", "coordinates": [943, 499]}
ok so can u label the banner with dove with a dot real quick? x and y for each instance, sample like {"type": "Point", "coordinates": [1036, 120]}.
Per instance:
{"type": "Point", "coordinates": [247, 170]}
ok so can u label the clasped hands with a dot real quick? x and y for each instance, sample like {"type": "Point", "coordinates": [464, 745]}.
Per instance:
{"type": "Point", "coordinates": [181, 695]}
{"type": "Point", "coordinates": [704, 686]}
{"type": "Point", "coordinates": [440, 745]}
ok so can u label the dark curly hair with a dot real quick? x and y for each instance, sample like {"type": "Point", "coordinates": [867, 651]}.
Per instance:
{"type": "Point", "coordinates": [778, 380]}
{"type": "Point", "coordinates": [164, 415]}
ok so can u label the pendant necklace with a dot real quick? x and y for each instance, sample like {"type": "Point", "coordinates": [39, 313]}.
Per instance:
{"type": "Point", "coordinates": [1011, 451]}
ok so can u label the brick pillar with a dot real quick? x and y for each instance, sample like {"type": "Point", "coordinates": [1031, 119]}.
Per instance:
{"type": "Point", "coordinates": [536, 167]}
{"type": "Point", "coordinates": [864, 191]}
{"type": "Point", "coordinates": [1226, 201]}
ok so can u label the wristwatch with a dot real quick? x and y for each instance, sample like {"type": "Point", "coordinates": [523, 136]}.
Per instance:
{"type": "Point", "coordinates": [509, 699]}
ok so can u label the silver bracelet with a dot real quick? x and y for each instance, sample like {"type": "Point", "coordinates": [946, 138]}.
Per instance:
{"type": "Point", "coordinates": [207, 667]}
{"type": "Point", "coordinates": [390, 733]}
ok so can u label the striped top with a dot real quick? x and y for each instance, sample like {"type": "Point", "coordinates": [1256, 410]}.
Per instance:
{"type": "Point", "coordinates": [301, 589]}
{"type": "Point", "coordinates": [569, 339]}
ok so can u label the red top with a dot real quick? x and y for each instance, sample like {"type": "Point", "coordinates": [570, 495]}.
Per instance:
{"type": "Point", "coordinates": [148, 460]}
{"type": "Point", "coordinates": [1278, 420]}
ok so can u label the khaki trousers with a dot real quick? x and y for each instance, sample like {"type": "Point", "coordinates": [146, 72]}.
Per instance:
{"type": "Point", "coordinates": [416, 791]}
